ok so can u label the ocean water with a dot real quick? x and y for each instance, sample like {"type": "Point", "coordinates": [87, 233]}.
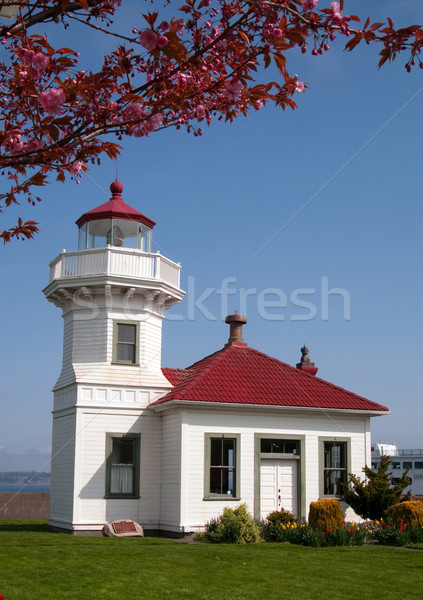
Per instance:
{"type": "Point", "coordinates": [17, 487]}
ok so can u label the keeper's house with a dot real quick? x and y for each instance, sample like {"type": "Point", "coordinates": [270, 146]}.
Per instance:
{"type": "Point", "coordinates": [170, 448]}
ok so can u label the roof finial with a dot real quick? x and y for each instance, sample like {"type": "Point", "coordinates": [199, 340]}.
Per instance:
{"type": "Point", "coordinates": [116, 188]}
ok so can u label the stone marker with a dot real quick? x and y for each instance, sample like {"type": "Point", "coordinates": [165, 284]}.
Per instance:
{"type": "Point", "coordinates": [124, 528]}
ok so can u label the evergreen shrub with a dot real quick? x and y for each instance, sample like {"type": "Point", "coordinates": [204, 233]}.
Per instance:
{"type": "Point", "coordinates": [408, 513]}
{"type": "Point", "coordinates": [271, 526]}
{"type": "Point", "coordinates": [325, 514]}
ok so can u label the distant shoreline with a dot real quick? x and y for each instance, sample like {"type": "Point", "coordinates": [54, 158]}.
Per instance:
{"type": "Point", "coordinates": [25, 487]}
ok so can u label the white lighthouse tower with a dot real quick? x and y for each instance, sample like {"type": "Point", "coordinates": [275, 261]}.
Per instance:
{"type": "Point", "coordinates": [113, 292]}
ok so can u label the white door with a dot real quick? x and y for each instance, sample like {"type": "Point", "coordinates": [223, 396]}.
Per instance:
{"type": "Point", "coordinates": [278, 486]}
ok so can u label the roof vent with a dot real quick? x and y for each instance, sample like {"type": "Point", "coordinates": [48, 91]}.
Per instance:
{"type": "Point", "coordinates": [305, 364]}
{"type": "Point", "coordinates": [236, 322]}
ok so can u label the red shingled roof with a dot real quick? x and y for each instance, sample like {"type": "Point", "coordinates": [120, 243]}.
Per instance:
{"type": "Point", "coordinates": [115, 208]}
{"type": "Point", "coordinates": [242, 375]}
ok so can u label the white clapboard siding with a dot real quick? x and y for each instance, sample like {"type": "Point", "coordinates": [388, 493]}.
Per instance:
{"type": "Point", "coordinates": [196, 511]}
{"type": "Point", "coordinates": [88, 351]}
{"type": "Point", "coordinates": [170, 493]}
{"type": "Point", "coordinates": [62, 469]}
{"type": "Point", "coordinates": [92, 509]}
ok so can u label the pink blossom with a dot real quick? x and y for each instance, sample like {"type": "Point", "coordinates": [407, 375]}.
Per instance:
{"type": "Point", "coordinates": [13, 142]}
{"type": "Point", "coordinates": [336, 13]}
{"type": "Point", "coordinates": [133, 112]}
{"type": "Point", "coordinates": [299, 86]}
{"type": "Point", "coordinates": [76, 167]}
{"type": "Point", "coordinates": [200, 112]}
{"type": "Point", "coordinates": [233, 90]}
{"type": "Point", "coordinates": [164, 26]}
{"type": "Point", "coordinates": [40, 61]}
{"type": "Point", "coordinates": [52, 100]}
{"type": "Point", "coordinates": [153, 122]}
{"type": "Point", "coordinates": [258, 104]}
{"type": "Point", "coordinates": [148, 39]}
{"type": "Point", "coordinates": [180, 24]}
{"type": "Point", "coordinates": [309, 4]}
{"type": "Point", "coordinates": [27, 54]}
{"type": "Point", "coordinates": [162, 41]}
{"type": "Point", "coordinates": [277, 32]}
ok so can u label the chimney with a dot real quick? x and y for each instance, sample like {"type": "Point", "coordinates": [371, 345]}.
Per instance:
{"type": "Point", "coordinates": [305, 364]}
{"type": "Point", "coordinates": [236, 322]}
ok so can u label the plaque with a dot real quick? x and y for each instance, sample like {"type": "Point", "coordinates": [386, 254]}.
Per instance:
{"type": "Point", "coordinates": [124, 527]}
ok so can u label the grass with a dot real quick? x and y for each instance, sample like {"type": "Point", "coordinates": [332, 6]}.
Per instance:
{"type": "Point", "coordinates": [36, 564]}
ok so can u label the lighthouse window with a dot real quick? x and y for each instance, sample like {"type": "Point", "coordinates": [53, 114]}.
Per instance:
{"type": "Point", "coordinates": [122, 465]}
{"type": "Point", "coordinates": [125, 346]}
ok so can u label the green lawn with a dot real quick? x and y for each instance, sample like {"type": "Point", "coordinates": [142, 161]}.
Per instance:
{"type": "Point", "coordinates": [39, 565]}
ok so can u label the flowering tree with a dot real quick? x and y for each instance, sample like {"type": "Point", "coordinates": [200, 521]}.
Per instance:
{"type": "Point", "coordinates": [201, 64]}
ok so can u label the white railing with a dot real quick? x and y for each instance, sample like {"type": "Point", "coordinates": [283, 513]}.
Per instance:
{"type": "Point", "coordinates": [126, 262]}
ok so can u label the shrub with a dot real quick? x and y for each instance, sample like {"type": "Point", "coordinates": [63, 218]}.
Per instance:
{"type": "Point", "coordinates": [372, 497]}
{"type": "Point", "coordinates": [325, 514]}
{"type": "Point", "coordinates": [271, 526]}
{"type": "Point", "coordinates": [233, 526]}
{"type": "Point", "coordinates": [408, 513]}
{"type": "Point", "coordinates": [281, 516]}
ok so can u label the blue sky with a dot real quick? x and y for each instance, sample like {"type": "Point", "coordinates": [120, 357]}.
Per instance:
{"type": "Point", "coordinates": [327, 196]}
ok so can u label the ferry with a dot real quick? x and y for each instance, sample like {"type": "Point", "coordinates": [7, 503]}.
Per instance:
{"type": "Point", "coordinates": [401, 460]}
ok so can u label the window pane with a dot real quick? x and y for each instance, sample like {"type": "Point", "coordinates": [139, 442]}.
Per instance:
{"type": "Point", "coordinates": [396, 465]}
{"type": "Point", "coordinates": [277, 446]}
{"type": "Point", "coordinates": [335, 455]}
{"type": "Point", "coordinates": [122, 451]}
{"type": "Point", "coordinates": [215, 481]}
{"type": "Point", "coordinates": [407, 464]}
{"type": "Point", "coordinates": [126, 333]}
{"type": "Point", "coordinates": [333, 482]}
{"type": "Point", "coordinates": [265, 445]}
{"type": "Point", "coordinates": [216, 452]}
{"type": "Point", "coordinates": [228, 482]}
{"type": "Point", "coordinates": [418, 465]}
{"type": "Point", "coordinates": [122, 479]}
{"type": "Point", "coordinates": [291, 446]}
{"type": "Point", "coordinates": [126, 352]}
{"type": "Point", "coordinates": [228, 452]}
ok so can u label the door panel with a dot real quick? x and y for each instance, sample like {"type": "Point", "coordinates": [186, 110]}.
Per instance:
{"type": "Point", "coordinates": [278, 486]}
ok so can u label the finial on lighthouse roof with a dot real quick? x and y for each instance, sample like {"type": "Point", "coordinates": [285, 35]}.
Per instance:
{"type": "Point", "coordinates": [305, 364]}
{"type": "Point", "coordinates": [116, 188]}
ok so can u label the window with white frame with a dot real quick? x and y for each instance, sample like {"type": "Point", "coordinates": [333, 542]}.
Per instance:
{"type": "Point", "coordinates": [122, 465]}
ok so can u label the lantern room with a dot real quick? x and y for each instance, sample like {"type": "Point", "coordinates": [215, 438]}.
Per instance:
{"type": "Point", "coordinates": [115, 223]}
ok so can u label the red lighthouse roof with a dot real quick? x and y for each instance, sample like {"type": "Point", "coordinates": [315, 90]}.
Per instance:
{"type": "Point", "coordinates": [115, 208]}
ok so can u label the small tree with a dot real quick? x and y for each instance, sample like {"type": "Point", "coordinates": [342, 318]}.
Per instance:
{"type": "Point", "coordinates": [371, 497]}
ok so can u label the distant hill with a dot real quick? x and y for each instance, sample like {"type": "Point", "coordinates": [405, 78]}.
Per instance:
{"type": "Point", "coordinates": [23, 477]}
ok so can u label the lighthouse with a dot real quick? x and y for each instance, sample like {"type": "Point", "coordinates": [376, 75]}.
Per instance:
{"type": "Point", "coordinates": [113, 293]}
